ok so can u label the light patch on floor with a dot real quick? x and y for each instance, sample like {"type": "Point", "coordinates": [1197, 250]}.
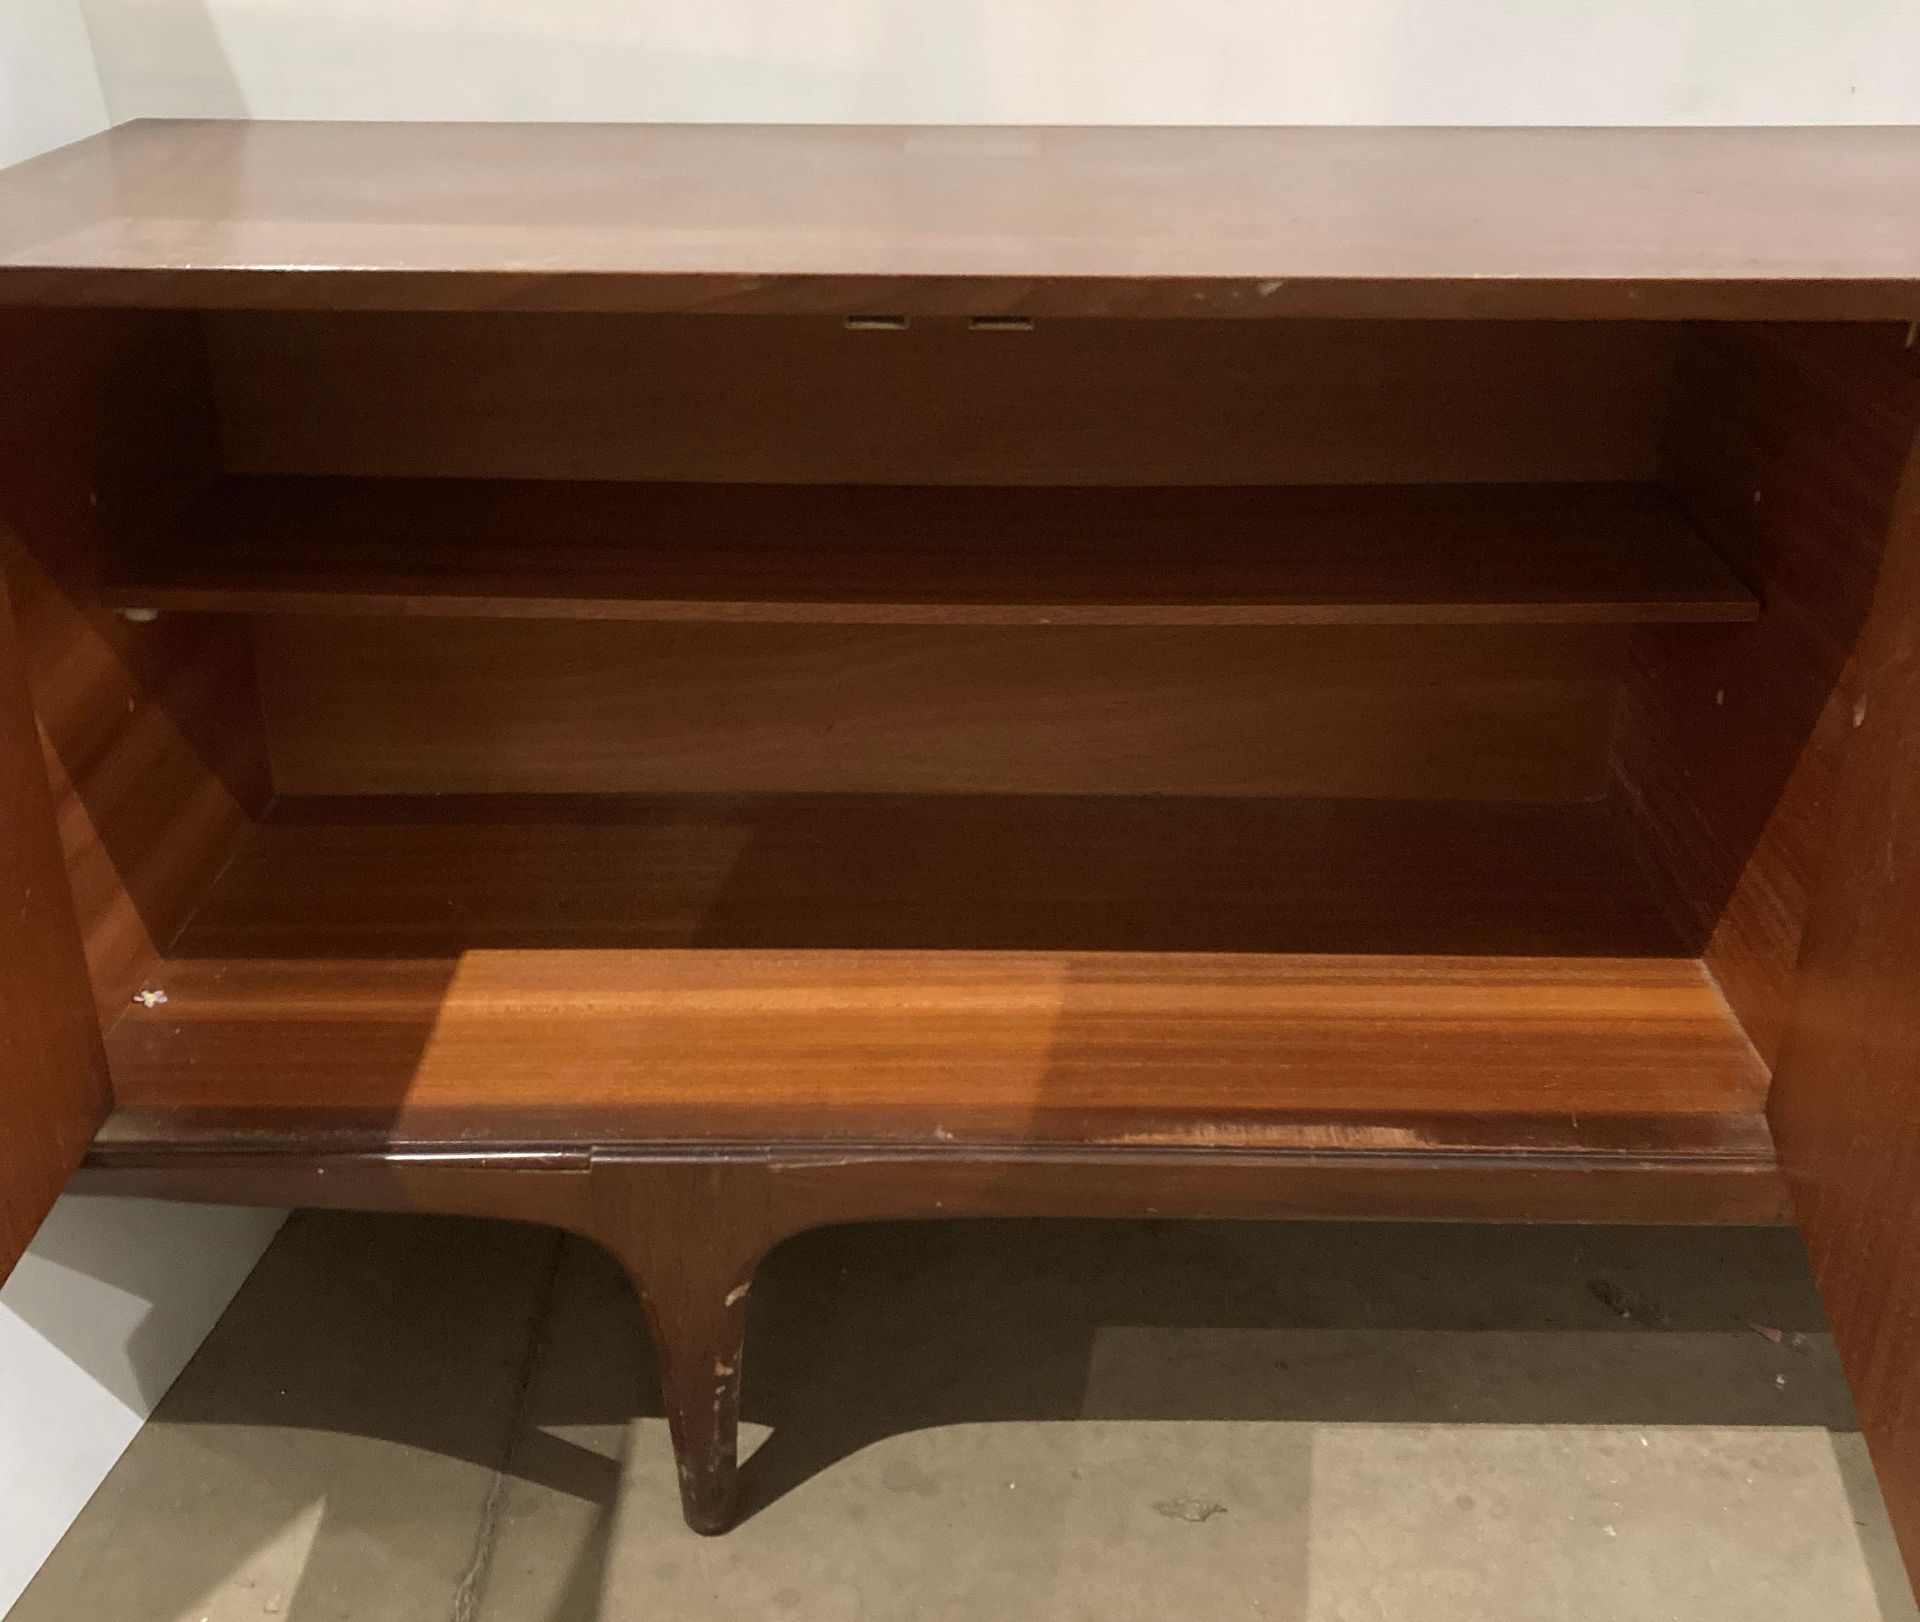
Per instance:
{"type": "Point", "coordinates": [1435, 1523]}
{"type": "Point", "coordinates": [266, 1579]}
{"type": "Point", "coordinates": [1107, 1521]}
{"type": "Point", "coordinates": [434, 1421]}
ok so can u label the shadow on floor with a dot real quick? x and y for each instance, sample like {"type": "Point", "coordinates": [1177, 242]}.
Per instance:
{"type": "Point", "coordinates": [459, 1397]}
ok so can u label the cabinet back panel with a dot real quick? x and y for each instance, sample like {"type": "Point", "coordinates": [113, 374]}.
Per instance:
{"type": "Point", "coordinates": [804, 400]}
{"type": "Point", "coordinates": [431, 706]}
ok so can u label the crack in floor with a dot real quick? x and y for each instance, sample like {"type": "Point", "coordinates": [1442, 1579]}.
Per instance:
{"type": "Point", "coordinates": [473, 1581]}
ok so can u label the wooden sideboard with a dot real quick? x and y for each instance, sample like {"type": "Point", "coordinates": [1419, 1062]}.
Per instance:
{"type": "Point", "coordinates": [693, 683]}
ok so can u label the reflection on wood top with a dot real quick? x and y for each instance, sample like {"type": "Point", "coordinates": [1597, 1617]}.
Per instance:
{"type": "Point", "coordinates": [1510, 222]}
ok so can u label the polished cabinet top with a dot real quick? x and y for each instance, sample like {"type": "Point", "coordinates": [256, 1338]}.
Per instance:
{"type": "Point", "coordinates": [1660, 223]}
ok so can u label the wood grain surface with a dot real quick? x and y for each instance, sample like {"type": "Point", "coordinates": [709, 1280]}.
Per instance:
{"type": "Point", "coordinates": [369, 967]}
{"type": "Point", "coordinates": [436, 876]}
{"type": "Point", "coordinates": [53, 1073]}
{"type": "Point", "coordinates": [1787, 448]}
{"type": "Point", "coordinates": [358, 706]}
{"type": "Point", "coordinates": [1847, 1102]}
{"type": "Point", "coordinates": [153, 739]}
{"type": "Point", "coordinates": [1542, 222]}
{"type": "Point", "coordinates": [1149, 1048]}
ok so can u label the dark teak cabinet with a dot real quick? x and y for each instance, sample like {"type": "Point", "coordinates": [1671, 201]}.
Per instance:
{"type": "Point", "coordinates": [692, 683]}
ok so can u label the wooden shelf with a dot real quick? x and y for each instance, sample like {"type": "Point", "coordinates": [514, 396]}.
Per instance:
{"type": "Point", "coordinates": [1361, 555]}
{"type": "Point", "coordinates": [1646, 224]}
{"type": "Point", "coordinates": [1397, 978]}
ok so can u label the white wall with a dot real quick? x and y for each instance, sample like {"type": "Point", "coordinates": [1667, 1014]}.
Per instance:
{"type": "Point", "coordinates": [1000, 61]}
{"type": "Point", "coordinates": [115, 1295]}
{"type": "Point", "coordinates": [95, 1323]}
{"type": "Point", "coordinates": [49, 87]}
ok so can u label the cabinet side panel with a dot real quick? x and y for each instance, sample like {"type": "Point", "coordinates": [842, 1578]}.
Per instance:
{"type": "Point", "coordinates": [153, 743]}
{"type": "Point", "coordinates": [53, 1073]}
{"type": "Point", "coordinates": [1785, 448]}
{"type": "Point", "coordinates": [1845, 1106]}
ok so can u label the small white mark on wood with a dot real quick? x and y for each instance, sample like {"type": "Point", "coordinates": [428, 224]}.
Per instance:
{"type": "Point", "coordinates": [139, 616]}
{"type": "Point", "coordinates": [723, 1368]}
{"type": "Point", "coordinates": [1913, 335]}
{"type": "Point", "coordinates": [1756, 498]}
{"type": "Point", "coordinates": [1720, 698]}
{"type": "Point", "coordinates": [152, 997]}
{"type": "Point", "coordinates": [1268, 289]}
{"type": "Point", "coordinates": [1860, 711]}
{"type": "Point", "coordinates": [738, 1293]}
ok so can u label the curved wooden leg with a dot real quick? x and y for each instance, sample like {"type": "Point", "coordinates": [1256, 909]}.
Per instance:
{"type": "Point", "coordinates": [690, 1236]}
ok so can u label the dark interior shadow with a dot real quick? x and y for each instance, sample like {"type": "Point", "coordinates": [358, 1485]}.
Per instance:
{"type": "Point", "coordinates": [1780, 450]}
{"type": "Point", "coordinates": [450, 874]}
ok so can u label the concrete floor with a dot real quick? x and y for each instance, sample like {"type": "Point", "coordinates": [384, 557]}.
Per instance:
{"type": "Point", "coordinates": [1007, 1422]}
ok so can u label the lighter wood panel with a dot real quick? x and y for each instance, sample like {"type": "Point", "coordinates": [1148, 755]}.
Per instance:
{"type": "Point", "coordinates": [1301, 973]}
{"type": "Point", "coordinates": [1146, 1048]}
{"type": "Point", "coordinates": [385, 706]}
{"type": "Point", "coordinates": [789, 400]}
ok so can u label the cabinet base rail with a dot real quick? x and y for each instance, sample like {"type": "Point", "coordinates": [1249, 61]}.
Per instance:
{"type": "Point", "coordinates": [690, 1225]}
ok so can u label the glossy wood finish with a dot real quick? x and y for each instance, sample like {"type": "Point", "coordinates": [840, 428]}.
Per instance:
{"type": "Point", "coordinates": [375, 706]}
{"type": "Point", "coordinates": [53, 1074]}
{"type": "Point", "coordinates": [980, 918]}
{"type": "Point", "coordinates": [839, 555]}
{"type": "Point", "coordinates": [1847, 1104]}
{"type": "Point", "coordinates": [1786, 450]}
{"type": "Point", "coordinates": [1081, 402]}
{"type": "Point", "coordinates": [1679, 223]}
{"type": "Point", "coordinates": [1146, 1048]}
{"type": "Point", "coordinates": [720, 971]}
{"type": "Point", "coordinates": [155, 749]}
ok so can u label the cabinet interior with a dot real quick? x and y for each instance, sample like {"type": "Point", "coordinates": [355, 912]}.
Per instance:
{"type": "Point", "coordinates": [1375, 735]}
